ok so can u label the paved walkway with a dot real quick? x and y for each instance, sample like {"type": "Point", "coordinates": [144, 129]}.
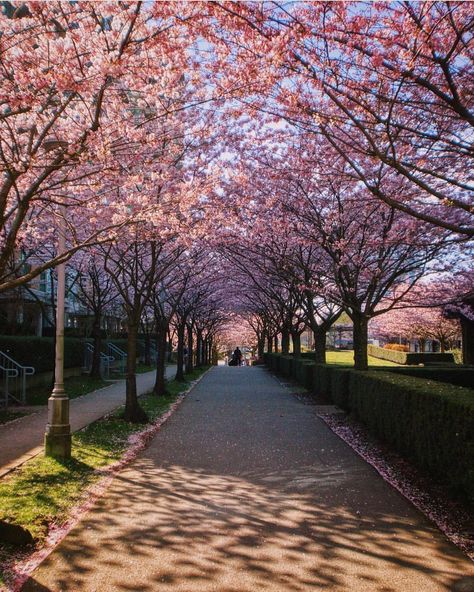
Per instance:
{"type": "Point", "coordinates": [245, 490]}
{"type": "Point", "coordinates": [23, 438]}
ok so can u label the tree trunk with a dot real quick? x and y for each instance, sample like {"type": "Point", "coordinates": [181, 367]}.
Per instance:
{"type": "Point", "coordinates": [199, 361]}
{"type": "Point", "coordinates": [467, 328]}
{"type": "Point", "coordinates": [97, 337]}
{"type": "Point", "coordinates": [180, 360]}
{"type": "Point", "coordinates": [320, 345]}
{"type": "Point", "coordinates": [160, 381]}
{"type": "Point", "coordinates": [133, 412]}
{"type": "Point", "coordinates": [260, 345]}
{"type": "Point", "coordinates": [296, 339]}
{"type": "Point", "coordinates": [189, 361]}
{"type": "Point", "coordinates": [147, 359]}
{"type": "Point", "coordinates": [275, 343]}
{"type": "Point", "coordinates": [285, 341]}
{"type": "Point", "coordinates": [270, 344]}
{"type": "Point", "coordinates": [169, 348]}
{"type": "Point", "coordinates": [360, 322]}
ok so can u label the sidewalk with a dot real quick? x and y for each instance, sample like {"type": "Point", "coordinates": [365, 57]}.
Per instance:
{"type": "Point", "coordinates": [244, 489]}
{"type": "Point", "coordinates": [23, 438]}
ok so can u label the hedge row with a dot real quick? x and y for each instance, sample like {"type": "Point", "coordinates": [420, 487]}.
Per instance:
{"type": "Point", "coordinates": [409, 358]}
{"type": "Point", "coordinates": [39, 351]}
{"type": "Point", "coordinates": [459, 376]}
{"type": "Point", "coordinates": [427, 421]}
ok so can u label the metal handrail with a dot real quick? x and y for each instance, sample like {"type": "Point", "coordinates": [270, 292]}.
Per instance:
{"type": "Point", "coordinates": [13, 369]}
{"type": "Point", "coordinates": [105, 360]}
{"type": "Point", "coordinates": [120, 353]}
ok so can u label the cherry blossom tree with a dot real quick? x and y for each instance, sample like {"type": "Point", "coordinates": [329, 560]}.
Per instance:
{"type": "Point", "coordinates": [90, 92]}
{"type": "Point", "coordinates": [387, 85]}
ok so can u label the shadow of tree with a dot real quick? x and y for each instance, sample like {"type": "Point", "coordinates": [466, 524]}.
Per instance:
{"type": "Point", "coordinates": [239, 505]}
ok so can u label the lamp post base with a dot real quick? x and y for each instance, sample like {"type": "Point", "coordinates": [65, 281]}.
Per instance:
{"type": "Point", "coordinates": [57, 445]}
{"type": "Point", "coordinates": [57, 439]}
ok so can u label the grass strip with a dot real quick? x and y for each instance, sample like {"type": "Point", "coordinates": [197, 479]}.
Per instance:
{"type": "Point", "coordinates": [7, 415]}
{"type": "Point", "coordinates": [346, 358]}
{"type": "Point", "coordinates": [43, 491]}
{"type": "Point", "coordinates": [75, 386]}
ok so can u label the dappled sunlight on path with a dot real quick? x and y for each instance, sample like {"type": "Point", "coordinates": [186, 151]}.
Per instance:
{"type": "Point", "coordinates": [183, 518]}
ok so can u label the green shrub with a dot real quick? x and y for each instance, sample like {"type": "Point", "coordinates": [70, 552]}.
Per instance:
{"type": "Point", "coordinates": [286, 364]}
{"type": "Point", "coordinates": [460, 376]}
{"type": "Point", "coordinates": [409, 358]}
{"type": "Point", "coordinates": [39, 351]}
{"type": "Point", "coordinates": [304, 374]}
{"type": "Point", "coordinates": [339, 391]}
{"type": "Point", "coordinates": [322, 380]}
{"type": "Point", "coordinates": [296, 368]}
{"type": "Point", "coordinates": [428, 422]}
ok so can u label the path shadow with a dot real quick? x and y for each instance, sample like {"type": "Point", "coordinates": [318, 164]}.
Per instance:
{"type": "Point", "coordinates": [177, 528]}
{"type": "Point", "coordinates": [240, 493]}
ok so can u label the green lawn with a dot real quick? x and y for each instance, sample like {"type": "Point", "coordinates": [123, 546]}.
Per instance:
{"type": "Point", "coordinates": [346, 358]}
{"type": "Point", "coordinates": [75, 386]}
{"type": "Point", "coordinates": [44, 490]}
{"type": "Point", "coordinates": [10, 414]}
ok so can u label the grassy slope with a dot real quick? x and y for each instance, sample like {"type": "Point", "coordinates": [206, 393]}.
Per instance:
{"type": "Point", "coordinates": [346, 358]}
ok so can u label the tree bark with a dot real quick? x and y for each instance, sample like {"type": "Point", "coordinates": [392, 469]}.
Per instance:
{"type": "Point", "coordinates": [296, 339]}
{"type": "Point", "coordinates": [180, 360]}
{"type": "Point", "coordinates": [133, 412]}
{"type": "Point", "coordinates": [199, 361]}
{"type": "Point", "coordinates": [260, 345]}
{"type": "Point", "coordinates": [320, 345]}
{"type": "Point", "coordinates": [189, 361]}
{"type": "Point", "coordinates": [147, 360]}
{"type": "Point", "coordinates": [97, 337]}
{"type": "Point", "coordinates": [285, 341]}
{"type": "Point", "coordinates": [270, 344]}
{"type": "Point", "coordinates": [160, 381]}
{"type": "Point", "coordinates": [169, 348]}
{"type": "Point", "coordinates": [467, 328]}
{"type": "Point", "coordinates": [275, 343]}
{"type": "Point", "coordinates": [360, 322]}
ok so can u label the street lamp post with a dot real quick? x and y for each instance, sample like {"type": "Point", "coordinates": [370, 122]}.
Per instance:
{"type": "Point", "coordinates": [57, 439]}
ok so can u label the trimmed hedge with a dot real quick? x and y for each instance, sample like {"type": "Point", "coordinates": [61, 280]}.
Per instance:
{"type": "Point", "coordinates": [428, 422]}
{"type": "Point", "coordinates": [39, 351]}
{"type": "Point", "coordinates": [304, 373]}
{"type": "Point", "coordinates": [409, 358]}
{"type": "Point", "coordinates": [459, 376]}
{"type": "Point", "coordinates": [286, 365]}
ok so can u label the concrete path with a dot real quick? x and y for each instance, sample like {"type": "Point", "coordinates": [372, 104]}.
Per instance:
{"type": "Point", "coordinates": [245, 490]}
{"type": "Point", "coordinates": [23, 438]}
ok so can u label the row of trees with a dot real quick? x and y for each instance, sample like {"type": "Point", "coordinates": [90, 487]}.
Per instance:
{"type": "Point", "coordinates": [162, 290]}
{"type": "Point", "coordinates": [287, 162]}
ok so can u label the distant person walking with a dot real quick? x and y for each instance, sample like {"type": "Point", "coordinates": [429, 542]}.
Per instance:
{"type": "Point", "coordinates": [237, 356]}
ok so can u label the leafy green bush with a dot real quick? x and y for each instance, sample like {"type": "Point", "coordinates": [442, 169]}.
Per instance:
{"type": "Point", "coordinates": [339, 387]}
{"type": "Point", "coordinates": [39, 351]}
{"type": "Point", "coordinates": [428, 422]}
{"type": "Point", "coordinates": [286, 365]}
{"type": "Point", "coordinates": [322, 379]}
{"type": "Point", "coordinates": [460, 376]}
{"type": "Point", "coordinates": [304, 373]}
